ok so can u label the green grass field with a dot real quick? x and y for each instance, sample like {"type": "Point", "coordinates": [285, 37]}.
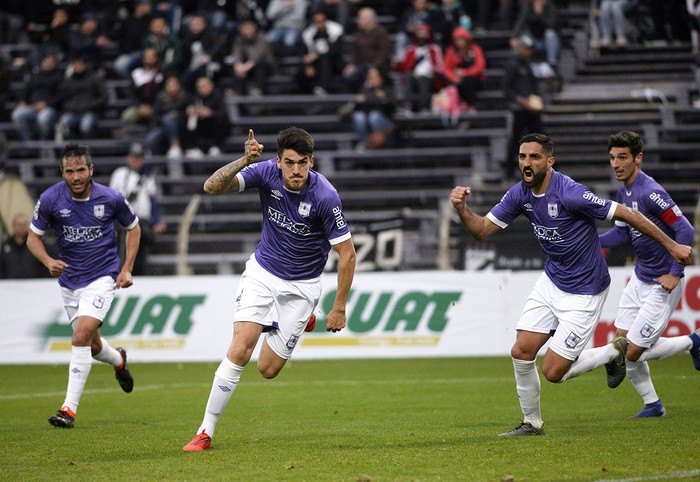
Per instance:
{"type": "Point", "coordinates": [368, 420]}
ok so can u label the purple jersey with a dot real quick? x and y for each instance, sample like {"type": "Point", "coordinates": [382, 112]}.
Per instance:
{"type": "Point", "coordinates": [85, 230]}
{"type": "Point", "coordinates": [563, 222]}
{"type": "Point", "coordinates": [298, 227]}
{"type": "Point", "coordinates": [649, 198]}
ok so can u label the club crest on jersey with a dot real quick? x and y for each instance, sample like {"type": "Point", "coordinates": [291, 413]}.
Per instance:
{"type": "Point", "coordinates": [553, 210]}
{"type": "Point", "coordinates": [98, 210]}
{"type": "Point", "coordinates": [635, 205]}
{"type": "Point", "coordinates": [572, 340]}
{"type": "Point", "coordinates": [647, 331]}
{"type": "Point", "coordinates": [304, 209]}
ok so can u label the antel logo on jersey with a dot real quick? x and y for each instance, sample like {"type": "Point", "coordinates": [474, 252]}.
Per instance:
{"type": "Point", "coordinates": [339, 221]}
{"type": "Point", "coordinates": [658, 200]}
{"type": "Point", "coordinates": [589, 196]}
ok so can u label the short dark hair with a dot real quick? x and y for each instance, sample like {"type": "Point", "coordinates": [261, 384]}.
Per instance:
{"type": "Point", "coordinates": [75, 150]}
{"type": "Point", "coordinates": [627, 139]}
{"type": "Point", "coordinates": [541, 139]}
{"type": "Point", "coordinates": [296, 139]}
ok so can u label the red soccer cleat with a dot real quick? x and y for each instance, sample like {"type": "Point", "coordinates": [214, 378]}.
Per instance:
{"type": "Point", "coordinates": [200, 442]}
{"type": "Point", "coordinates": [311, 325]}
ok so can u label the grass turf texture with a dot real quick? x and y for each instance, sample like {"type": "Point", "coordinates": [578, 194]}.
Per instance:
{"type": "Point", "coordinates": [369, 420]}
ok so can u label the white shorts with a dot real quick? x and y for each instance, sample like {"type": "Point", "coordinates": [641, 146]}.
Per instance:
{"type": "Point", "coordinates": [645, 309]}
{"type": "Point", "coordinates": [282, 307]}
{"type": "Point", "coordinates": [92, 300]}
{"type": "Point", "coordinates": [574, 317]}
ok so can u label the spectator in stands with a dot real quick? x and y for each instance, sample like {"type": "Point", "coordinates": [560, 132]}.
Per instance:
{"type": "Point", "coordinates": [693, 7]}
{"type": "Point", "coordinates": [136, 181]}
{"type": "Point", "coordinates": [567, 299]}
{"type": "Point", "coordinates": [16, 261]}
{"type": "Point", "coordinates": [88, 41]}
{"type": "Point", "coordinates": [146, 82]}
{"type": "Point", "coordinates": [522, 94]}
{"type": "Point", "coordinates": [423, 69]}
{"type": "Point", "coordinates": [169, 110]}
{"type": "Point", "coordinates": [465, 66]}
{"type": "Point", "coordinates": [670, 20]}
{"type": "Point", "coordinates": [53, 38]}
{"type": "Point", "coordinates": [281, 285]}
{"type": "Point", "coordinates": [538, 19]}
{"type": "Point", "coordinates": [201, 48]}
{"type": "Point", "coordinates": [252, 61]}
{"type": "Point", "coordinates": [371, 46]}
{"type": "Point", "coordinates": [612, 14]}
{"type": "Point", "coordinates": [207, 121]}
{"type": "Point", "coordinates": [656, 286]}
{"type": "Point", "coordinates": [420, 12]}
{"type": "Point", "coordinates": [131, 33]}
{"type": "Point", "coordinates": [336, 10]}
{"type": "Point", "coordinates": [84, 96]}
{"type": "Point", "coordinates": [287, 19]}
{"type": "Point", "coordinates": [167, 45]}
{"type": "Point", "coordinates": [322, 63]}
{"type": "Point", "coordinates": [454, 15]}
{"type": "Point", "coordinates": [374, 108]}
{"type": "Point", "coordinates": [39, 102]}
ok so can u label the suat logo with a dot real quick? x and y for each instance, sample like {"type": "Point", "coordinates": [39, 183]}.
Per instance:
{"type": "Point", "coordinates": [390, 312]}
{"type": "Point", "coordinates": [162, 316]}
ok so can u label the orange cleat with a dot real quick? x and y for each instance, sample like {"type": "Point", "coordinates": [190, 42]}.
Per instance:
{"type": "Point", "coordinates": [200, 442]}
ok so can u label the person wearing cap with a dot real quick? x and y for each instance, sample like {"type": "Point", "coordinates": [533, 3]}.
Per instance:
{"type": "Point", "coordinates": [465, 65]}
{"type": "Point", "coordinates": [522, 94]}
{"type": "Point", "coordinates": [138, 185]}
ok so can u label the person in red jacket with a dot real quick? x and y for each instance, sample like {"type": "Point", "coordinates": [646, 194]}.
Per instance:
{"type": "Point", "coordinates": [423, 69]}
{"type": "Point", "coordinates": [465, 65]}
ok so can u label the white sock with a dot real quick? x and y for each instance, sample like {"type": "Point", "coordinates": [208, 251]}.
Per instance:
{"type": "Point", "coordinates": [108, 354]}
{"type": "Point", "coordinates": [527, 384]}
{"type": "Point", "coordinates": [639, 375]}
{"type": "Point", "coordinates": [78, 371]}
{"type": "Point", "coordinates": [590, 359]}
{"type": "Point", "coordinates": [665, 347]}
{"type": "Point", "coordinates": [226, 380]}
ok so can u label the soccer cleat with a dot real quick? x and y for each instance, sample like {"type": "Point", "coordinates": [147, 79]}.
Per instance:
{"type": "Point", "coordinates": [695, 349]}
{"type": "Point", "coordinates": [655, 409]}
{"type": "Point", "coordinates": [64, 418]}
{"type": "Point", "coordinates": [200, 442]}
{"type": "Point", "coordinates": [617, 367]}
{"type": "Point", "coordinates": [126, 381]}
{"type": "Point", "coordinates": [311, 325]}
{"type": "Point", "coordinates": [525, 428]}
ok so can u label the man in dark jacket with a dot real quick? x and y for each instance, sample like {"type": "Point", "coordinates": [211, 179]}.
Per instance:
{"type": "Point", "coordinates": [206, 123]}
{"type": "Point", "coordinates": [16, 262]}
{"type": "Point", "coordinates": [84, 95]}
{"type": "Point", "coordinates": [38, 105]}
{"type": "Point", "coordinates": [521, 92]}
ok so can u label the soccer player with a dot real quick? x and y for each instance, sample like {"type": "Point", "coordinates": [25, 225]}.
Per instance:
{"type": "Point", "coordinates": [568, 297]}
{"type": "Point", "coordinates": [280, 287]}
{"type": "Point", "coordinates": [82, 214]}
{"type": "Point", "coordinates": [656, 285]}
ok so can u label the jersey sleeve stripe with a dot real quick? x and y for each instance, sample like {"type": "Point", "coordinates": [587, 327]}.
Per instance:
{"type": "Point", "coordinates": [496, 221]}
{"type": "Point", "coordinates": [339, 239]}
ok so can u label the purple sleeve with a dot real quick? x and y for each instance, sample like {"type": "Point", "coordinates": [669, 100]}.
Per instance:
{"type": "Point", "coordinates": [580, 199]}
{"type": "Point", "coordinates": [617, 236]}
{"type": "Point", "coordinates": [684, 233]}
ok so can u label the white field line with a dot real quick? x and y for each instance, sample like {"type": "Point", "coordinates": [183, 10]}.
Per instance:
{"type": "Point", "coordinates": [686, 474]}
{"type": "Point", "coordinates": [271, 384]}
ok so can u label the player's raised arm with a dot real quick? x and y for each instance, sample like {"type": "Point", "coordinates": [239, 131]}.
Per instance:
{"type": "Point", "coordinates": [478, 226]}
{"type": "Point", "coordinates": [224, 179]}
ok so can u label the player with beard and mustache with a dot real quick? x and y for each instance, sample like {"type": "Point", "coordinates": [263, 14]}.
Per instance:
{"type": "Point", "coordinates": [82, 214]}
{"type": "Point", "coordinates": [567, 299]}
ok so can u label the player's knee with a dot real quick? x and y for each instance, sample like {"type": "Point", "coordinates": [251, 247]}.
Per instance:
{"type": "Point", "coordinates": [553, 374]}
{"type": "Point", "coordinates": [520, 353]}
{"type": "Point", "coordinates": [268, 372]}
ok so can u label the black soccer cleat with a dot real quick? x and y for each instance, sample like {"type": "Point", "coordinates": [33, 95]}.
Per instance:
{"type": "Point", "coordinates": [617, 367]}
{"type": "Point", "coordinates": [126, 381]}
{"type": "Point", "coordinates": [64, 418]}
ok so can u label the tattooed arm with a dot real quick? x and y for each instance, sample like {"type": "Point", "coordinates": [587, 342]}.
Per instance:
{"type": "Point", "coordinates": [224, 179]}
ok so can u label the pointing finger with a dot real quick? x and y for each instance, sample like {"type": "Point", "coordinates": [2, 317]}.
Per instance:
{"type": "Point", "coordinates": [251, 136]}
